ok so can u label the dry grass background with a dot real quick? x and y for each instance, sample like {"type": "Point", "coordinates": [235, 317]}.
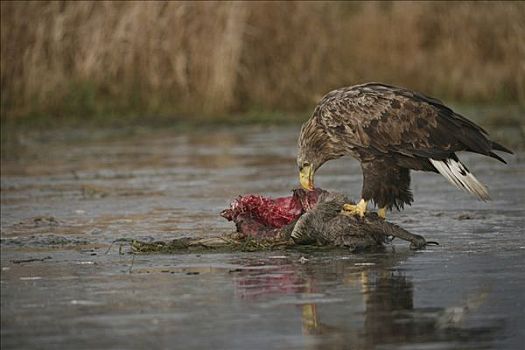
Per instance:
{"type": "Point", "coordinates": [81, 59]}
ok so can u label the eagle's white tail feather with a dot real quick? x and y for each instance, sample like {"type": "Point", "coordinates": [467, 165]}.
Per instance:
{"type": "Point", "coordinates": [458, 175]}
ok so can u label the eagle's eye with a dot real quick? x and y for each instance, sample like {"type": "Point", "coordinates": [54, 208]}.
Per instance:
{"type": "Point", "coordinates": [303, 165]}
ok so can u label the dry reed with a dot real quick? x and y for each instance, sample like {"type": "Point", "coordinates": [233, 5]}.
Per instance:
{"type": "Point", "coordinates": [85, 58]}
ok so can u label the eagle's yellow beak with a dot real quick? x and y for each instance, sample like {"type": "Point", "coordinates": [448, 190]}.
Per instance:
{"type": "Point", "coordinates": [306, 177]}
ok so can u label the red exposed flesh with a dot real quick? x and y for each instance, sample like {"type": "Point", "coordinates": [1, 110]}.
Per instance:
{"type": "Point", "coordinates": [268, 212]}
{"type": "Point", "coordinates": [275, 213]}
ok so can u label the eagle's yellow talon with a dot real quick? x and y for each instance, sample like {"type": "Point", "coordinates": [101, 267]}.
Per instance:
{"type": "Point", "coordinates": [355, 209]}
{"type": "Point", "coordinates": [382, 213]}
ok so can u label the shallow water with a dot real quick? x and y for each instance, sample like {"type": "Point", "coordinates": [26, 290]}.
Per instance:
{"type": "Point", "coordinates": [66, 197]}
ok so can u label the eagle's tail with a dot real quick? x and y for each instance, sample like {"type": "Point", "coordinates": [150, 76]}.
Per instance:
{"type": "Point", "coordinates": [458, 175]}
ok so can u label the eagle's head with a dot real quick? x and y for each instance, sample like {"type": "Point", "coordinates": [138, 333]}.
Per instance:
{"type": "Point", "coordinates": [315, 147]}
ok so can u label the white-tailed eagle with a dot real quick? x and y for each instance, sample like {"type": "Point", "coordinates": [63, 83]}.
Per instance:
{"type": "Point", "coordinates": [391, 130]}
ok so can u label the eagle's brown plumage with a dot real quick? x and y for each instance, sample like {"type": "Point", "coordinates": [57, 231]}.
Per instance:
{"type": "Point", "coordinates": [391, 130]}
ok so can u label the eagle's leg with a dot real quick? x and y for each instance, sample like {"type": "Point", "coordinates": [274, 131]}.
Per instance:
{"type": "Point", "coordinates": [386, 184]}
{"type": "Point", "coordinates": [356, 209]}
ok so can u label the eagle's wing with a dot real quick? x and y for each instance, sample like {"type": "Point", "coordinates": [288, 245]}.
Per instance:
{"type": "Point", "coordinates": [386, 119]}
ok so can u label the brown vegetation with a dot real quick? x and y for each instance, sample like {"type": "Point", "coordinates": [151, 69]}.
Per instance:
{"type": "Point", "coordinates": [172, 58]}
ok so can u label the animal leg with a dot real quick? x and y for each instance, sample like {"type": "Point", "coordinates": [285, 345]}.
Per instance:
{"type": "Point", "coordinates": [386, 184]}
{"type": "Point", "coordinates": [381, 212]}
{"type": "Point", "coordinates": [358, 209]}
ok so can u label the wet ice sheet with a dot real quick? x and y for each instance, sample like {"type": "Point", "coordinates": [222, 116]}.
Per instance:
{"type": "Point", "coordinates": [64, 200]}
